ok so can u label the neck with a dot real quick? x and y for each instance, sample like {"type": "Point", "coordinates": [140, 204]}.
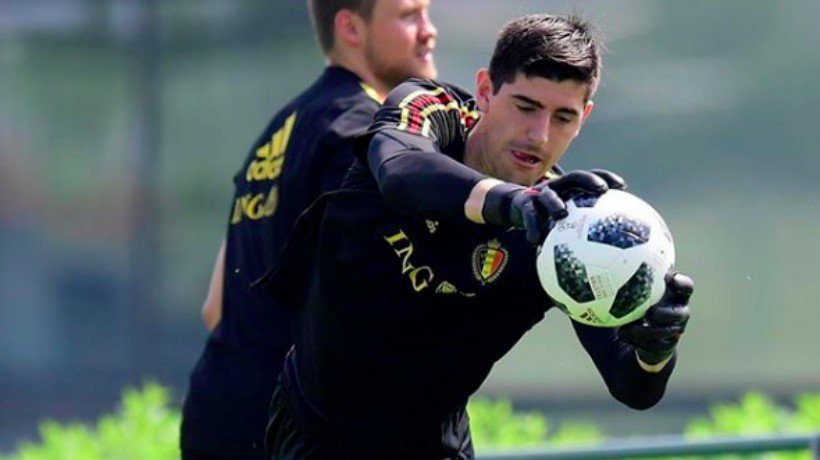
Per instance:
{"type": "Point", "coordinates": [472, 148]}
{"type": "Point", "coordinates": [356, 63]}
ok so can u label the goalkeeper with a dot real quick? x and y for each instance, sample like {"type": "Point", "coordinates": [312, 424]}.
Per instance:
{"type": "Point", "coordinates": [409, 284]}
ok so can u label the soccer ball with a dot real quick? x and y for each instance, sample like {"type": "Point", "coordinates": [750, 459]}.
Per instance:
{"type": "Point", "coordinates": [604, 264]}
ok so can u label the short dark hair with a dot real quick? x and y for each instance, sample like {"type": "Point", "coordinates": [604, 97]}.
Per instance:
{"type": "Point", "coordinates": [553, 47]}
{"type": "Point", "coordinates": [323, 14]}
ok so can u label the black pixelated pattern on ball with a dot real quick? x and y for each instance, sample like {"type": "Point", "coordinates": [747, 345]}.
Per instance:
{"type": "Point", "coordinates": [585, 201]}
{"type": "Point", "coordinates": [634, 292]}
{"type": "Point", "coordinates": [572, 275]}
{"type": "Point", "coordinates": [619, 231]}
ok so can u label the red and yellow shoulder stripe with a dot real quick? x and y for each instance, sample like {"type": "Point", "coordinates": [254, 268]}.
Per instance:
{"type": "Point", "coordinates": [418, 106]}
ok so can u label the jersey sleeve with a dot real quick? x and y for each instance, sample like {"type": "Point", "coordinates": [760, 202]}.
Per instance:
{"type": "Point", "coordinates": [416, 146]}
{"type": "Point", "coordinates": [618, 365]}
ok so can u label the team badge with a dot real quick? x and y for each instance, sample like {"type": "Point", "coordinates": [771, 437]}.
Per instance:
{"type": "Point", "coordinates": [489, 261]}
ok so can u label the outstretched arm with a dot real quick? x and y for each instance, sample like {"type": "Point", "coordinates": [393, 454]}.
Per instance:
{"type": "Point", "coordinates": [615, 360]}
{"type": "Point", "coordinates": [419, 138]}
{"type": "Point", "coordinates": [414, 176]}
{"type": "Point", "coordinates": [637, 359]}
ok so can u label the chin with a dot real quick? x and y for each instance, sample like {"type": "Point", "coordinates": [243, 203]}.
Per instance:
{"type": "Point", "coordinates": [530, 181]}
{"type": "Point", "coordinates": [426, 72]}
{"type": "Point", "coordinates": [526, 182]}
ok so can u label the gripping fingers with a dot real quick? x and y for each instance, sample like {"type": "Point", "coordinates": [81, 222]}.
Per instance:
{"type": "Point", "coordinates": [679, 288]}
{"type": "Point", "coordinates": [613, 181]}
{"type": "Point", "coordinates": [580, 181]}
{"type": "Point", "coordinates": [552, 203]}
{"type": "Point", "coordinates": [668, 315]}
{"type": "Point", "coordinates": [533, 225]}
{"type": "Point", "coordinates": [653, 338]}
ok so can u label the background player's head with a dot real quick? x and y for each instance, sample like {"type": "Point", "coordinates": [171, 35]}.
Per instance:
{"type": "Point", "coordinates": [383, 41]}
{"type": "Point", "coordinates": [535, 96]}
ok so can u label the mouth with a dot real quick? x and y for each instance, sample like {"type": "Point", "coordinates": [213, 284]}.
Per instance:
{"type": "Point", "coordinates": [425, 54]}
{"type": "Point", "coordinates": [525, 159]}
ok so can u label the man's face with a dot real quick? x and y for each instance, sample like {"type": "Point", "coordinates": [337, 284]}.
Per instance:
{"type": "Point", "coordinates": [400, 41]}
{"type": "Point", "coordinates": [525, 127]}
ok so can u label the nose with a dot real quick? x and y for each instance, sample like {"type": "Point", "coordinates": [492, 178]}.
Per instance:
{"type": "Point", "coordinates": [428, 30]}
{"type": "Point", "coordinates": [539, 132]}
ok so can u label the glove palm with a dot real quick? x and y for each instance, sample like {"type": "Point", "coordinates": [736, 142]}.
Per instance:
{"type": "Point", "coordinates": [656, 335]}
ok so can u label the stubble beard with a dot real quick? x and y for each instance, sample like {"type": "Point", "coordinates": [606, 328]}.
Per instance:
{"type": "Point", "coordinates": [480, 156]}
{"type": "Point", "coordinates": [392, 74]}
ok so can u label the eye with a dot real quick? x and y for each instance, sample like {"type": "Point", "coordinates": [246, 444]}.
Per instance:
{"type": "Point", "coordinates": [525, 108]}
{"type": "Point", "coordinates": [564, 119]}
{"type": "Point", "coordinates": [410, 14]}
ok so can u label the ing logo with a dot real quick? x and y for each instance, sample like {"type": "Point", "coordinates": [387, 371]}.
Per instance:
{"type": "Point", "coordinates": [255, 206]}
{"type": "Point", "coordinates": [420, 276]}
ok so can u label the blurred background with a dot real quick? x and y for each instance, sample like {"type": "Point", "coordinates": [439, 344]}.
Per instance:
{"type": "Point", "coordinates": [122, 123]}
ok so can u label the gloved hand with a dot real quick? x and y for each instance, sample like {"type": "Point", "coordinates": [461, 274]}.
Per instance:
{"type": "Point", "coordinates": [613, 181]}
{"type": "Point", "coordinates": [533, 208]}
{"type": "Point", "coordinates": [656, 335]}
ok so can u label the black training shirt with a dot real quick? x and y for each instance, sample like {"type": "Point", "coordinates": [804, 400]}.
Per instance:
{"type": "Point", "coordinates": [304, 151]}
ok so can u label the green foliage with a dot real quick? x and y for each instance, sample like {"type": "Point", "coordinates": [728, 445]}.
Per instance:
{"type": "Point", "coordinates": [143, 427]}
{"type": "Point", "coordinates": [496, 425]}
{"type": "Point", "coordinates": [807, 417]}
{"type": "Point", "coordinates": [757, 414]}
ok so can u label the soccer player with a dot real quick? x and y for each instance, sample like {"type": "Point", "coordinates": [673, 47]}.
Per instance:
{"type": "Point", "coordinates": [419, 274]}
{"type": "Point", "coordinates": [370, 46]}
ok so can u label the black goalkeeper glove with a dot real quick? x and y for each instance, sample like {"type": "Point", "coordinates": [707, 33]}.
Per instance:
{"type": "Point", "coordinates": [533, 208]}
{"type": "Point", "coordinates": [656, 335]}
{"type": "Point", "coordinates": [613, 181]}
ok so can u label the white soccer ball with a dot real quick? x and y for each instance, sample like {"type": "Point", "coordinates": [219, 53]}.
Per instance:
{"type": "Point", "coordinates": [604, 264]}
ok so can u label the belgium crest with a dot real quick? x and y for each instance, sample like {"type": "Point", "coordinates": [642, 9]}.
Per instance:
{"type": "Point", "coordinates": [489, 260]}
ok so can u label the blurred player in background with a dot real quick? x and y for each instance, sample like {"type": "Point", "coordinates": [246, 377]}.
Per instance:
{"type": "Point", "coordinates": [370, 46]}
{"type": "Point", "coordinates": [419, 274]}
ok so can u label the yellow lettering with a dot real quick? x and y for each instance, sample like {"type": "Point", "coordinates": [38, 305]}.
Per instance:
{"type": "Point", "coordinates": [237, 212]}
{"type": "Point", "coordinates": [264, 151]}
{"type": "Point", "coordinates": [421, 282]}
{"type": "Point", "coordinates": [272, 202]}
{"type": "Point", "coordinates": [288, 129]}
{"type": "Point", "coordinates": [275, 166]}
{"type": "Point", "coordinates": [395, 238]}
{"type": "Point", "coordinates": [420, 277]}
{"type": "Point", "coordinates": [405, 254]}
{"type": "Point", "coordinates": [276, 142]}
{"type": "Point", "coordinates": [256, 168]}
{"type": "Point", "coordinates": [254, 207]}
{"type": "Point", "coordinates": [270, 158]}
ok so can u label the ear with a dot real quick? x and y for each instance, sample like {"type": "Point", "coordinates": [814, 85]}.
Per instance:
{"type": "Point", "coordinates": [588, 109]}
{"type": "Point", "coordinates": [483, 89]}
{"type": "Point", "coordinates": [348, 28]}
{"type": "Point", "coordinates": [587, 112]}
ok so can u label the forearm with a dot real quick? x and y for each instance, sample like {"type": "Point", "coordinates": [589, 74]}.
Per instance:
{"type": "Point", "coordinates": [422, 182]}
{"type": "Point", "coordinates": [631, 384]}
{"type": "Point", "coordinates": [625, 378]}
